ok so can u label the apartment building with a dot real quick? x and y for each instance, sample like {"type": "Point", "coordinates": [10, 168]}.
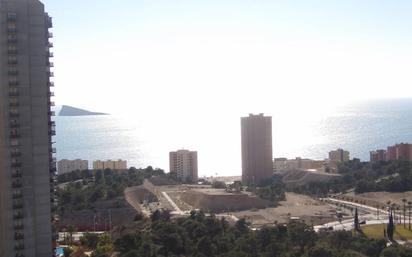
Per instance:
{"type": "Point", "coordinates": [27, 166]}
{"type": "Point", "coordinates": [109, 164]}
{"type": "Point", "coordinates": [66, 166]}
{"type": "Point", "coordinates": [183, 163]}
{"type": "Point", "coordinates": [256, 136]}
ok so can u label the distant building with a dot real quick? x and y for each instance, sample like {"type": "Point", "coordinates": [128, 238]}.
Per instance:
{"type": "Point", "coordinates": [391, 153]}
{"type": "Point", "coordinates": [378, 155]}
{"type": "Point", "coordinates": [109, 164]}
{"type": "Point", "coordinates": [339, 155]}
{"type": "Point", "coordinates": [399, 152]}
{"type": "Point", "coordinates": [282, 164]}
{"type": "Point", "coordinates": [404, 152]}
{"type": "Point", "coordinates": [257, 163]}
{"type": "Point", "coordinates": [183, 163]}
{"type": "Point", "coordinates": [65, 166]}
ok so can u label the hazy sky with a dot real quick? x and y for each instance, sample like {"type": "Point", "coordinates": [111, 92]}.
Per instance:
{"type": "Point", "coordinates": [185, 71]}
{"type": "Point", "coordinates": [166, 56]}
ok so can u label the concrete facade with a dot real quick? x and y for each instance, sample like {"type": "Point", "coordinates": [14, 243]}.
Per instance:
{"type": "Point", "coordinates": [109, 164]}
{"type": "Point", "coordinates": [27, 166]}
{"type": "Point", "coordinates": [65, 166]}
{"type": "Point", "coordinates": [256, 133]}
{"type": "Point", "coordinates": [184, 164]}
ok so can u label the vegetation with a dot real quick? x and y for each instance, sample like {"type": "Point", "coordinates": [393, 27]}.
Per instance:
{"type": "Point", "coordinates": [84, 188]}
{"type": "Point", "coordinates": [218, 184]}
{"type": "Point", "coordinates": [273, 190]}
{"type": "Point", "coordinates": [395, 176]}
{"type": "Point", "coordinates": [199, 236]}
{"type": "Point", "coordinates": [377, 231]}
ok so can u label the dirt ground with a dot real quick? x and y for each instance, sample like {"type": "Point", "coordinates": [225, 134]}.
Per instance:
{"type": "Point", "coordinates": [379, 198]}
{"type": "Point", "coordinates": [295, 206]}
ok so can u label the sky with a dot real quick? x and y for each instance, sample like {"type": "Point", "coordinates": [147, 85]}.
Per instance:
{"type": "Point", "coordinates": [221, 57]}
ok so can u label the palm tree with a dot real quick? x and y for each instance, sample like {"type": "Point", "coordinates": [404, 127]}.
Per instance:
{"type": "Point", "coordinates": [377, 210]}
{"type": "Point", "coordinates": [409, 213]}
{"type": "Point", "coordinates": [393, 209]}
{"type": "Point", "coordinates": [390, 227]}
{"type": "Point", "coordinates": [398, 208]}
{"type": "Point", "coordinates": [404, 212]}
{"type": "Point", "coordinates": [356, 221]}
{"type": "Point", "coordinates": [70, 230]}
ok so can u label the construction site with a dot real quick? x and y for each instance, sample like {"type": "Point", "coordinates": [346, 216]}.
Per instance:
{"type": "Point", "coordinates": [181, 199]}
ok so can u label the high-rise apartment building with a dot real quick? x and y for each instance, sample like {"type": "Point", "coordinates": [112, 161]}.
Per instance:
{"type": "Point", "coordinates": [257, 164]}
{"type": "Point", "coordinates": [27, 166]}
{"type": "Point", "coordinates": [400, 151]}
{"type": "Point", "coordinates": [339, 155]}
{"type": "Point", "coordinates": [183, 163]}
{"type": "Point", "coordinates": [378, 155]}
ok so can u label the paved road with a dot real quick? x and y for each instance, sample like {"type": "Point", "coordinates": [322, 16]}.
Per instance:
{"type": "Point", "coordinates": [371, 216]}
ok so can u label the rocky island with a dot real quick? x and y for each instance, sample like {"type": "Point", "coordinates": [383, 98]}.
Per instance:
{"type": "Point", "coordinates": [73, 111]}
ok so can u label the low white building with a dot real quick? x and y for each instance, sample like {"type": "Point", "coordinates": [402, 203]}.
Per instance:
{"type": "Point", "coordinates": [65, 166]}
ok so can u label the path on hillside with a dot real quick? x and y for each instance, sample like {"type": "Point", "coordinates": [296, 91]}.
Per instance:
{"type": "Point", "coordinates": [131, 198]}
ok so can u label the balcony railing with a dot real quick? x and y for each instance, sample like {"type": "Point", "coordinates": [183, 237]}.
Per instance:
{"type": "Point", "coordinates": [16, 174]}
{"type": "Point", "coordinates": [17, 184]}
{"type": "Point", "coordinates": [51, 84]}
{"type": "Point", "coordinates": [11, 17]}
{"type": "Point", "coordinates": [14, 125]}
{"type": "Point", "coordinates": [50, 94]}
{"type": "Point", "coordinates": [51, 113]}
{"type": "Point", "coordinates": [18, 216]}
{"type": "Point", "coordinates": [12, 61]}
{"type": "Point", "coordinates": [17, 206]}
{"type": "Point", "coordinates": [17, 195]}
{"type": "Point", "coordinates": [11, 30]}
{"type": "Point", "coordinates": [13, 72]}
{"type": "Point", "coordinates": [52, 132]}
{"type": "Point", "coordinates": [14, 114]}
{"type": "Point", "coordinates": [50, 74]}
{"type": "Point", "coordinates": [51, 54]}
{"type": "Point", "coordinates": [12, 51]}
{"type": "Point", "coordinates": [50, 34]}
{"type": "Point", "coordinates": [19, 236]}
{"type": "Point", "coordinates": [15, 136]}
{"type": "Point", "coordinates": [18, 226]}
{"type": "Point", "coordinates": [12, 40]}
{"type": "Point", "coordinates": [19, 247]}
{"type": "Point", "coordinates": [14, 104]}
{"type": "Point", "coordinates": [13, 83]}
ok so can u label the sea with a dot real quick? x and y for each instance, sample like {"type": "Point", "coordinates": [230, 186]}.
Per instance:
{"type": "Point", "coordinates": [357, 127]}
